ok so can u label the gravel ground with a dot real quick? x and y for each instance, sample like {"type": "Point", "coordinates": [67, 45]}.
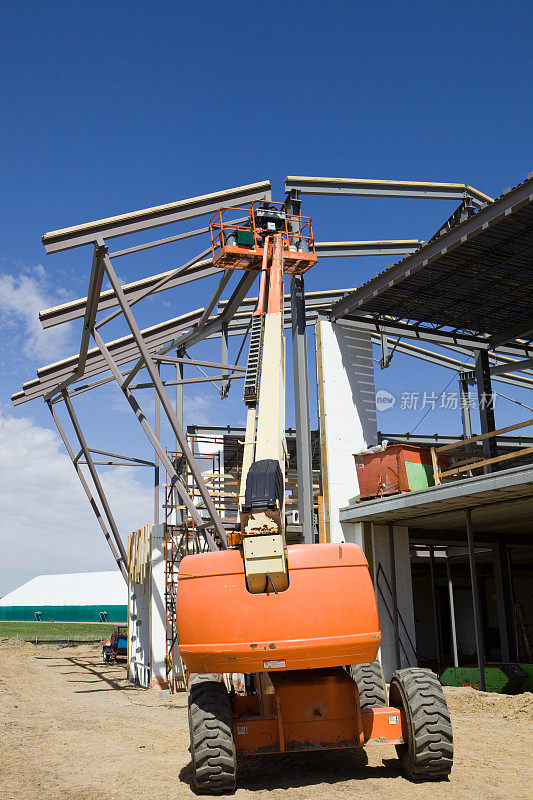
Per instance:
{"type": "Point", "coordinates": [73, 728]}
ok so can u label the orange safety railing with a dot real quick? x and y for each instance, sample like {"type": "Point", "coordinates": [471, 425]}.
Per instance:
{"type": "Point", "coordinates": [296, 229]}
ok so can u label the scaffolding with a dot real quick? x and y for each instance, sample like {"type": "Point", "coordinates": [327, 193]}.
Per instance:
{"type": "Point", "coordinates": [183, 536]}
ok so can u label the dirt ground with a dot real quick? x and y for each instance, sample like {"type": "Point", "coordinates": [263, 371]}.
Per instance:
{"type": "Point", "coordinates": [73, 728]}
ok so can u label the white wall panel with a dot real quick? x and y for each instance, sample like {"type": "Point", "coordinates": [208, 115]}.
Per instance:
{"type": "Point", "coordinates": [347, 412]}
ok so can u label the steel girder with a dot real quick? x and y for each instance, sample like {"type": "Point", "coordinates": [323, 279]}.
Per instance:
{"type": "Point", "coordinates": [380, 188]}
{"type": "Point", "coordinates": [136, 221]}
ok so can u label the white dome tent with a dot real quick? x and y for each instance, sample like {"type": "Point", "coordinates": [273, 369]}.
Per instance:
{"type": "Point", "coordinates": [72, 597]}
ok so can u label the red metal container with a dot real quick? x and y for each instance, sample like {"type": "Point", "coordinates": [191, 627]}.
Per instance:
{"type": "Point", "coordinates": [398, 468]}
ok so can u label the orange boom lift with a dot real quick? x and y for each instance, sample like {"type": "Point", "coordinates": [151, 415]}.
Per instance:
{"type": "Point", "coordinates": [299, 622]}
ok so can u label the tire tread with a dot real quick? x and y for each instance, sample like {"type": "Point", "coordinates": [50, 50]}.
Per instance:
{"type": "Point", "coordinates": [429, 753]}
{"type": "Point", "coordinates": [371, 685]}
{"type": "Point", "coordinates": [212, 747]}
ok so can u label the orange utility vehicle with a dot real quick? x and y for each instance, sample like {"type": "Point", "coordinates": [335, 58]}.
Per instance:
{"type": "Point", "coordinates": [300, 623]}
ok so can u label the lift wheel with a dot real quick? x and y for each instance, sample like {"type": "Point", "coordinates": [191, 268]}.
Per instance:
{"type": "Point", "coordinates": [428, 752]}
{"type": "Point", "coordinates": [212, 749]}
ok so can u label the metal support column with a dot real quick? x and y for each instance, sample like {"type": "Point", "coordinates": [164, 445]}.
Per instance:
{"type": "Point", "coordinates": [475, 601]}
{"type": "Point", "coordinates": [156, 458]}
{"type": "Point", "coordinates": [486, 406]}
{"type": "Point", "coordinates": [165, 402]}
{"type": "Point", "coordinates": [304, 460]}
{"type": "Point", "coordinates": [452, 612]}
{"type": "Point", "coordinates": [123, 567]}
{"type": "Point", "coordinates": [95, 477]}
{"type": "Point", "coordinates": [394, 592]}
{"type": "Point", "coordinates": [224, 389]}
{"type": "Point", "coordinates": [180, 512]}
{"type": "Point", "coordinates": [434, 599]}
{"type": "Point", "coordinates": [504, 602]}
{"type": "Point", "coordinates": [464, 396]}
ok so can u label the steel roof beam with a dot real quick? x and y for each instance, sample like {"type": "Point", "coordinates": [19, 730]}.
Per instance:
{"type": "Point", "coordinates": [380, 188]}
{"type": "Point", "coordinates": [135, 221]}
{"type": "Point", "coordinates": [403, 329]}
{"type": "Point", "coordinates": [76, 308]}
{"type": "Point", "coordinates": [451, 341]}
{"type": "Point", "coordinates": [123, 350]}
{"type": "Point", "coordinates": [500, 358]}
{"type": "Point", "coordinates": [451, 363]}
{"type": "Point", "coordinates": [193, 362]}
{"type": "Point", "coordinates": [383, 247]}
{"type": "Point", "coordinates": [182, 381]}
{"type": "Point", "coordinates": [312, 299]}
{"type": "Point", "coordinates": [169, 239]}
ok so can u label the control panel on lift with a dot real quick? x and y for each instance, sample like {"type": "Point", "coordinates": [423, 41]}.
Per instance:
{"type": "Point", "coordinates": [238, 237]}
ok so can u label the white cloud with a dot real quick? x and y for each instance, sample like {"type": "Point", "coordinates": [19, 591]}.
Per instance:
{"type": "Point", "coordinates": [198, 409]}
{"type": "Point", "coordinates": [22, 296]}
{"type": "Point", "coordinates": [47, 524]}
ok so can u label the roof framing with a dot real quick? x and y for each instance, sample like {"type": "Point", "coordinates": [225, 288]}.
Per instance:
{"type": "Point", "coordinates": [509, 217]}
{"type": "Point", "coordinates": [75, 309]}
{"type": "Point", "coordinates": [123, 351]}
{"type": "Point", "coordinates": [135, 221]}
{"type": "Point", "coordinates": [384, 247]}
{"type": "Point", "coordinates": [386, 188]}
{"type": "Point", "coordinates": [147, 349]}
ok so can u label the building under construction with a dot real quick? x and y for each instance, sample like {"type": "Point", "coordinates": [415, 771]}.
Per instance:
{"type": "Point", "coordinates": [443, 520]}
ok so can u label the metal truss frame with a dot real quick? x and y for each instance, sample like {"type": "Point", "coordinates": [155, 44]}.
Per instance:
{"type": "Point", "coordinates": [140, 344]}
{"type": "Point", "coordinates": [152, 348]}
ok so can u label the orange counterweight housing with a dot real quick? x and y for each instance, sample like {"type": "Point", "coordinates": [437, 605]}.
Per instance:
{"type": "Point", "coordinates": [327, 617]}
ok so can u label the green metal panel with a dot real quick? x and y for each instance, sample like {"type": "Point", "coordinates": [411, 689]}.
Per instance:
{"type": "Point", "coordinates": [528, 669]}
{"type": "Point", "coordinates": [502, 678]}
{"type": "Point", "coordinates": [419, 476]}
{"type": "Point", "coordinates": [115, 614]}
{"type": "Point", "coordinates": [245, 238]}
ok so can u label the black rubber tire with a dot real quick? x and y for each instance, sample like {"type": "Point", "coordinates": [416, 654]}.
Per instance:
{"type": "Point", "coordinates": [428, 753]}
{"type": "Point", "coordinates": [371, 685]}
{"type": "Point", "coordinates": [212, 748]}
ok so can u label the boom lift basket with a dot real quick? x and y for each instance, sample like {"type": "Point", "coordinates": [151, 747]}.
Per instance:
{"type": "Point", "coordinates": [238, 244]}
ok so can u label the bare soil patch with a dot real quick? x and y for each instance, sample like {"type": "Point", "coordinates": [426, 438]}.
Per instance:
{"type": "Point", "coordinates": [74, 728]}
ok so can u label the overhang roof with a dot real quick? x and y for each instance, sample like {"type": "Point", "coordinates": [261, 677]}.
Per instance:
{"type": "Point", "coordinates": [501, 502]}
{"type": "Point", "coordinates": [476, 277]}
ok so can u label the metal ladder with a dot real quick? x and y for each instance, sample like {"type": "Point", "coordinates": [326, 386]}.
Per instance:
{"type": "Point", "coordinates": [253, 366]}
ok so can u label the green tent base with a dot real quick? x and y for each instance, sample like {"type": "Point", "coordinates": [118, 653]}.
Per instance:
{"type": "Point", "coordinates": [100, 613]}
{"type": "Point", "coordinates": [499, 678]}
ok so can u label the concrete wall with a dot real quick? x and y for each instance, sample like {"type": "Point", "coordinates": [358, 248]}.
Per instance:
{"type": "Point", "coordinates": [347, 414]}
{"type": "Point", "coordinates": [381, 568]}
{"type": "Point", "coordinates": [147, 619]}
{"type": "Point", "coordinates": [139, 631]}
{"type": "Point", "coordinates": [374, 539]}
{"type": "Point", "coordinates": [158, 639]}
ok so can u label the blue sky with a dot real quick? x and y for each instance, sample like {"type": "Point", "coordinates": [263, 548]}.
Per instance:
{"type": "Point", "coordinates": [109, 107]}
